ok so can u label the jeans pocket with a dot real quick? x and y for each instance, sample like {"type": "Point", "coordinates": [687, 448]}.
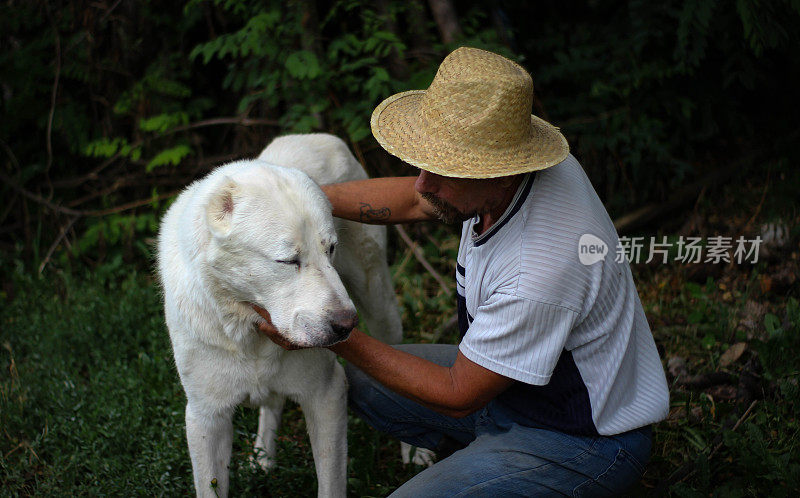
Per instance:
{"type": "Point", "coordinates": [623, 473]}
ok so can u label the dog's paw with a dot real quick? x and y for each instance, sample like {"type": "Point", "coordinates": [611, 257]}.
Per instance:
{"type": "Point", "coordinates": [417, 456]}
{"type": "Point", "coordinates": [259, 460]}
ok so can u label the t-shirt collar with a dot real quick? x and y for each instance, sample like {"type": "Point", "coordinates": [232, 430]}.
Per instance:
{"type": "Point", "coordinates": [516, 203]}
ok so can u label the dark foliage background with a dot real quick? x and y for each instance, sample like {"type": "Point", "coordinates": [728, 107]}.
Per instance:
{"type": "Point", "coordinates": [683, 113]}
{"type": "Point", "coordinates": [110, 107]}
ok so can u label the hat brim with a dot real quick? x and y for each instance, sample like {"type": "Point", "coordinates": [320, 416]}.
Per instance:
{"type": "Point", "coordinates": [397, 128]}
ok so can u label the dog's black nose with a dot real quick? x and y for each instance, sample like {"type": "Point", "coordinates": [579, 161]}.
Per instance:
{"type": "Point", "coordinates": [343, 322]}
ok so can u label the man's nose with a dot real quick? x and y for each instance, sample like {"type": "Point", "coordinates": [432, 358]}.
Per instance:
{"type": "Point", "coordinates": [426, 182]}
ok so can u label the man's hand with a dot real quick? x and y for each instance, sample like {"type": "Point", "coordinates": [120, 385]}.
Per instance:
{"type": "Point", "coordinates": [268, 329]}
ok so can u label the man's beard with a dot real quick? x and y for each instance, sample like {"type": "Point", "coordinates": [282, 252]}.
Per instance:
{"type": "Point", "coordinates": [444, 210]}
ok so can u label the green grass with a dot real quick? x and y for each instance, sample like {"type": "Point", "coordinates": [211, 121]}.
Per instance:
{"type": "Point", "coordinates": [741, 437]}
{"type": "Point", "coordinates": [91, 404]}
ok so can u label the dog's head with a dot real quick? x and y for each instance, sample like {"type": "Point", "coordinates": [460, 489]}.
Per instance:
{"type": "Point", "coordinates": [271, 244]}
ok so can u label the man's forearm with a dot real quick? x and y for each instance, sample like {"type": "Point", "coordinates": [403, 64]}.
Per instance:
{"type": "Point", "coordinates": [377, 201]}
{"type": "Point", "coordinates": [415, 378]}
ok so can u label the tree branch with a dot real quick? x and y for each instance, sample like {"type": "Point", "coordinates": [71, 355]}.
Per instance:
{"type": "Point", "coordinates": [53, 94]}
{"type": "Point", "coordinates": [74, 212]}
{"type": "Point", "coordinates": [680, 197]}
{"type": "Point", "coordinates": [132, 205]}
{"type": "Point", "coordinates": [55, 243]}
{"type": "Point", "coordinates": [421, 258]}
{"type": "Point", "coordinates": [223, 121]}
{"type": "Point", "coordinates": [37, 198]}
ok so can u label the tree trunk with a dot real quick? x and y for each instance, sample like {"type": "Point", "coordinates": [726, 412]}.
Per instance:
{"type": "Point", "coordinates": [397, 64]}
{"type": "Point", "coordinates": [444, 13]}
{"type": "Point", "coordinates": [417, 20]}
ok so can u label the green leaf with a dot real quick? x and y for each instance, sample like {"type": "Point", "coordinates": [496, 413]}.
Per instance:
{"type": "Point", "coordinates": [303, 65]}
{"type": "Point", "coordinates": [695, 317]}
{"type": "Point", "coordinates": [772, 324]}
{"type": "Point", "coordinates": [696, 439]}
{"type": "Point", "coordinates": [164, 122]}
{"type": "Point", "coordinates": [171, 156]}
{"type": "Point", "coordinates": [694, 290]}
{"type": "Point", "coordinates": [104, 147]}
{"type": "Point", "coordinates": [378, 83]}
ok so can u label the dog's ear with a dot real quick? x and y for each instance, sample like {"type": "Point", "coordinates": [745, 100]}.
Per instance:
{"type": "Point", "coordinates": [219, 212]}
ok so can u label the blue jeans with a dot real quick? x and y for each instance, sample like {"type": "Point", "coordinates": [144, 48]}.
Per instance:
{"type": "Point", "coordinates": [499, 456]}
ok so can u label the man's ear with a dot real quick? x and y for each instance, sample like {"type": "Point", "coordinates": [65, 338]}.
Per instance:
{"type": "Point", "coordinates": [219, 211]}
{"type": "Point", "coordinates": [508, 181]}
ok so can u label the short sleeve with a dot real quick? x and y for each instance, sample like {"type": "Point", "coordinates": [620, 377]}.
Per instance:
{"type": "Point", "coordinates": [519, 338]}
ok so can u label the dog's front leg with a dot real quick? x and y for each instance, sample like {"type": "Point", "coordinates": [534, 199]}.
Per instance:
{"type": "Point", "coordinates": [269, 419]}
{"type": "Point", "coordinates": [326, 419]}
{"type": "Point", "coordinates": [210, 437]}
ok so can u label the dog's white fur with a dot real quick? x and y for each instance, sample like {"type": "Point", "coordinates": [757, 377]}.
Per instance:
{"type": "Point", "coordinates": [260, 231]}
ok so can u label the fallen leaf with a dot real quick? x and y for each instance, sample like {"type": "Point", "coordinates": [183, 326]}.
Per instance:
{"type": "Point", "coordinates": [732, 354]}
{"type": "Point", "coordinates": [753, 315]}
{"type": "Point", "coordinates": [677, 367]}
{"type": "Point", "coordinates": [723, 392]}
{"type": "Point", "coordinates": [766, 284]}
{"type": "Point", "coordinates": [677, 413]}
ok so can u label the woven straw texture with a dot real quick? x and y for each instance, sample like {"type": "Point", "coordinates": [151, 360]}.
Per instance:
{"type": "Point", "coordinates": [473, 121]}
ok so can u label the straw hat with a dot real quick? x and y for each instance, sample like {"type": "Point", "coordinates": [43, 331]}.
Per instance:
{"type": "Point", "coordinates": [474, 121]}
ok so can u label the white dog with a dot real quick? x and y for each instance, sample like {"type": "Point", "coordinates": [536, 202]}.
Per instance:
{"type": "Point", "coordinates": [261, 232]}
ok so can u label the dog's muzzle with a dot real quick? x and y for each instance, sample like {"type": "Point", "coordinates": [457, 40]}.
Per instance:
{"type": "Point", "coordinates": [311, 331]}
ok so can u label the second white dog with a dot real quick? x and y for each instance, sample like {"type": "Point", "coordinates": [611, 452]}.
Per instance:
{"type": "Point", "coordinates": [261, 232]}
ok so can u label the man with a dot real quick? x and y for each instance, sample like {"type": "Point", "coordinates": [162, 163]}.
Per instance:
{"type": "Point", "coordinates": [556, 381]}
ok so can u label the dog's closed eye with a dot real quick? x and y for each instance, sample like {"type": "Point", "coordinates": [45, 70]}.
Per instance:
{"type": "Point", "coordinates": [294, 261]}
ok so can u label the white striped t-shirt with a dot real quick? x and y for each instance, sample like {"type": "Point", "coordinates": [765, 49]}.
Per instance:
{"type": "Point", "coordinates": [573, 335]}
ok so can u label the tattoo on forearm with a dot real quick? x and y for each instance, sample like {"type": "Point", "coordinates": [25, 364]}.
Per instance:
{"type": "Point", "coordinates": [370, 214]}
